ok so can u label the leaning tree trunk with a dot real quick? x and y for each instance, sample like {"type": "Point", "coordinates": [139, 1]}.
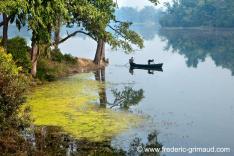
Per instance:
{"type": "Point", "coordinates": [100, 52]}
{"type": "Point", "coordinates": [5, 30]}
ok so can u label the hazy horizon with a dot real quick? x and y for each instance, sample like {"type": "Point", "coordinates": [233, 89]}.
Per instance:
{"type": "Point", "coordinates": [139, 4]}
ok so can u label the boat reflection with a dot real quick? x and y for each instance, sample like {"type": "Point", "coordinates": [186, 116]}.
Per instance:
{"type": "Point", "coordinates": [150, 71]}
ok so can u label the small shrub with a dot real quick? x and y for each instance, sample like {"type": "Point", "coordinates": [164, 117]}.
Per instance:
{"type": "Point", "coordinates": [12, 87]}
{"type": "Point", "coordinates": [56, 55]}
{"type": "Point", "coordinates": [49, 69]}
{"type": "Point", "coordinates": [68, 58]}
{"type": "Point", "coordinates": [45, 71]}
{"type": "Point", "coordinates": [18, 48]}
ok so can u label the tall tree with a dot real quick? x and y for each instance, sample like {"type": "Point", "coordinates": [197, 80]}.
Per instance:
{"type": "Point", "coordinates": [41, 17]}
{"type": "Point", "coordinates": [12, 11]}
{"type": "Point", "coordinates": [97, 19]}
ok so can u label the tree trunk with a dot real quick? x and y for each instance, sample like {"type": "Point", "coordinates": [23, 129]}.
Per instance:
{"type": "Point", "coordinates": [34, 55]}
{"type": "Point", "coordinates": [100, 52]}
{"type": "Point", "coordinates": [103, 57]}
{"type": "Point", "coordinates": [57, 33]}
{"type": "Point", "coordinates": [5, 30]}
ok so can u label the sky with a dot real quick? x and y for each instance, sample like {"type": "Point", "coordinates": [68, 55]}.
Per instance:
{"type": "Point", "coordinates": [139, 3]}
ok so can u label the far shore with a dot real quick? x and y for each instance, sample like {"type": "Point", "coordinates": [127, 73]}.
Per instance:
{"type": "Point", "coordinates": [197, 28]}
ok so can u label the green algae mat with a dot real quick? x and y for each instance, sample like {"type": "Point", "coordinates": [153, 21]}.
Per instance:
{"type": "Point", "coordinates": [71, 104]}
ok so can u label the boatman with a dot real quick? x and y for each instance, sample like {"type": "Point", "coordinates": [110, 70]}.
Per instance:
{"type": "Point", "coordinates": [131, 60]}
{"type": "Point", "coordinates": [149, 61]}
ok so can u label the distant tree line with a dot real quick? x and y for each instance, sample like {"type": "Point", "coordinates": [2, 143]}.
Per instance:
{"type": "Point", "coordinates": [196, 13]}
{"type": "Point", "coordinates": [145, 21]}
{"type": "Point", "coordinates": [148, 14]}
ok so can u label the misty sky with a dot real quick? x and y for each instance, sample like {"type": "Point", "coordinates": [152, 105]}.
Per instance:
{"type": "Point", "coordinates": [138, 3]}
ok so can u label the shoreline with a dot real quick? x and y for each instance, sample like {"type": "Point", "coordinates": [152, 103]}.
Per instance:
{"type": "Point", "coordinates": [83, 65]}
{"type": "Point", "coordinates": [197, 28]}
{"type": "Point", "coordinates": [86, 65]}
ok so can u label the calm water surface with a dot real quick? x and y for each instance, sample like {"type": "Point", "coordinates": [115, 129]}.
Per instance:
{"type": "Point", "coordinates": [191, 103]}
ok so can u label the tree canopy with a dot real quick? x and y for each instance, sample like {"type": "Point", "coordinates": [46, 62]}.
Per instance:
{"type": "Point", "coordinates": [96, 19]}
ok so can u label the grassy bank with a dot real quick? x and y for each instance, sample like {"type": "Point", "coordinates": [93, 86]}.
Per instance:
{"type": "Point", "coordinates": [52, 63]}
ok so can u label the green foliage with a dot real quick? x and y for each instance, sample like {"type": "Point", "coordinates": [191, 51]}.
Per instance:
{"type": "Point", "coordinates": [99, 21]}
{"type": "Point", "coordinates": [195, 13]}
{"type": "Point", "coordinates": [48, 71]}
{"type": "Point", "coordinates": [68, 58]}
{"type": "Point", "coordinates": [12, 6]}
{"type": "Point", "coordinates": [56, 55]}
{"type": "Point", "coordinates": [20, 51]}
{"type": "Point", "coordinates": [12, 87]}
{"type": "Point", "coordinates": [59, 66]}
{"type": "Point", "coordinates": [92, 18]}
{"type": "Point", "coordinates": [15, 10]}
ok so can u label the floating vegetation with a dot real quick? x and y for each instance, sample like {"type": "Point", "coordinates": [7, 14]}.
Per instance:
{"type": "Point", "coordinates": [69, 104]}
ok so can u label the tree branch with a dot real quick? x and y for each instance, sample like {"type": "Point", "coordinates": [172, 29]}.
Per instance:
{"type": "Point", "coordinates": [8, 19]}
{"type": "Point", "coordinates": [118, 32]}
{"type": "Point", "coordinates": [72, 35]}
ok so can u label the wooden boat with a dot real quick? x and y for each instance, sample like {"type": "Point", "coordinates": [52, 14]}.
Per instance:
{"type": "Point", "coordinates": [146, 66]}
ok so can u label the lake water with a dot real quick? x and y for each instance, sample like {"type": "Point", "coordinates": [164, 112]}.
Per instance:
{"type": "Point", "coordinates": [189, 104]}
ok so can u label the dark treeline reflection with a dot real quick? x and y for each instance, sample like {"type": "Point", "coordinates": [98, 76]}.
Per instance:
{"type": "Point", "coordinates": [197, 45]}
{"type": "Point", "coordinates": [49, 140]}
{"type": "Point", "coordinates": [123, 99]}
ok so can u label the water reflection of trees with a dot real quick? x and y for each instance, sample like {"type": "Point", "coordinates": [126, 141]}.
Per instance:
{"type": "Point", "coordinates": [123, 99]}
{"type": "Point", "coordinates": [20, 137]}
{"type": "Point", "coordinates": [126, 98]}
{"type": "Point", "coordinates": [196, 45]}
{"type": "Point", "coordinates": [100, 76]}
{"type": "Point", "coordinates": [50, 140]}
